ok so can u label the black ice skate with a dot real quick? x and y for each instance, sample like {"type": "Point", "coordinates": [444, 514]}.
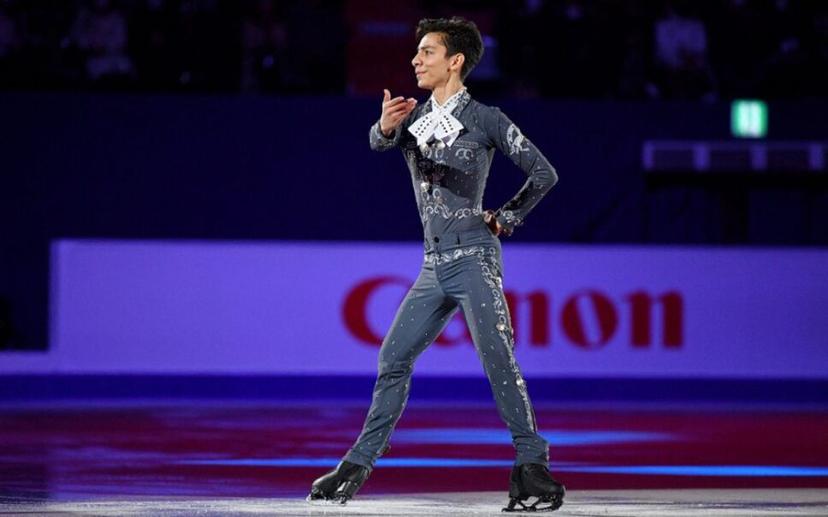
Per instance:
{"type": "Point", "coordinates": [340, 484]}
{"type": "Point", "coordinates": [533, 481]}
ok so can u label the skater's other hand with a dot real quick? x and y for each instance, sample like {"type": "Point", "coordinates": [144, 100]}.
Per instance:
{"type": "Point", "coordinates": [394, 111]}
{"type": "Point", "coordinates": [491, 221]}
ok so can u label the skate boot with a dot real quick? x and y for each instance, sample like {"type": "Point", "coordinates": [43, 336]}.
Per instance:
{"type": "Point", "coordinates": [340, 484]}
{"type": "Point", "coordinates": [532, 480]}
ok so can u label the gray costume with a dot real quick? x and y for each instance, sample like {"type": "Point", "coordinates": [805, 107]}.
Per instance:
{"type": "Point", "coordinates": [462, 269]}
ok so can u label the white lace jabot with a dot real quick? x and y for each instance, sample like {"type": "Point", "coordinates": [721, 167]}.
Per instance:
{"type": "Point", "coordinates": [438, 123]}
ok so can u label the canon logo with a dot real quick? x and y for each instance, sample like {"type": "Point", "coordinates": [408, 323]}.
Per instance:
{"type": "Point", "coordinates": [588, 318]}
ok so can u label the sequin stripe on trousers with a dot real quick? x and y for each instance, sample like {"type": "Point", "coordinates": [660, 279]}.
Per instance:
{"type": "Point", "coordinates": [504, 327]}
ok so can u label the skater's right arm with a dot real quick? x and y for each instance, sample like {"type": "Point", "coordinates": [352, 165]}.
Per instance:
{"type": "Point", "coordinates": [386, 132]}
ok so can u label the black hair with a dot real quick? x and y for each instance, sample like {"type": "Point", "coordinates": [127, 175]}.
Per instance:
{"type": "Point", "coordinates": [459, 36]}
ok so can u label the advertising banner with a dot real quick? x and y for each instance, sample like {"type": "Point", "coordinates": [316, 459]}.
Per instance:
{"type": "Point", "coordinates": [323, 308]}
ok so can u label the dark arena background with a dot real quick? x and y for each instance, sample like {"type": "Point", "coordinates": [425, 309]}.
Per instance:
{"type": "Point", "coordinates": [200, 256]}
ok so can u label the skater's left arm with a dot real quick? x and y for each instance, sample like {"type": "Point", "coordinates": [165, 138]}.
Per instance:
{"type": "Point", "coordinates": [541, 176]}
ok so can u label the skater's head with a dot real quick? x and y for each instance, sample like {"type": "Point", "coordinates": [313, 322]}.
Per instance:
{"type": "Point", "coordinates": [447, 49]}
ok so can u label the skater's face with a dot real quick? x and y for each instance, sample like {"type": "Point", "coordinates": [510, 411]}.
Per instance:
{"type": "Point", "coordinates": [432, 66]}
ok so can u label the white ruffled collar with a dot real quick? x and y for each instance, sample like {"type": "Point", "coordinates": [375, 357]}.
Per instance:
{"type": "Point", "coordinates": [439, 123]}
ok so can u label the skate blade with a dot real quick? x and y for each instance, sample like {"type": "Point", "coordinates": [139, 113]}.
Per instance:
{"type": "Point", "coordinates": [318, 498]}
{"type": "Point", "coordinates": [541, 504]}
{"type": "Point", "coordinates": [331, 501]}
{"type": "Point", "coordinates": [317, 501]}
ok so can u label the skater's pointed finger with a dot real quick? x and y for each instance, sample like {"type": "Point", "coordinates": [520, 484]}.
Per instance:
{"type": "Point", "coordinates": [388, 101]}
{"type": "Point", "coordinates": [393, 103]}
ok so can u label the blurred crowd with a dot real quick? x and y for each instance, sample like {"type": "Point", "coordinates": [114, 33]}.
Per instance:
{"type": "Point", "coordinates": [671, 49]}
{"type": "Point", "coordinates": [634, 49]}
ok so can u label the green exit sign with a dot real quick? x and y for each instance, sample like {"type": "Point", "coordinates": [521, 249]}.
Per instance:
{"type": "Point", "coordinates": [749, 119]}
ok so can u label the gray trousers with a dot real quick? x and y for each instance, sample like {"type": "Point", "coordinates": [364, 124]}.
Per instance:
{"type": "Point", "coordinates": [467, 278]}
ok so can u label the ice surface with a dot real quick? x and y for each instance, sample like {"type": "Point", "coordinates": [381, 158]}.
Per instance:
{"type": "Point", "coordinates": [671, 503]}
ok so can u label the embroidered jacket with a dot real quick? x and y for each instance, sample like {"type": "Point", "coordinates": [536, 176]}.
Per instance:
{"type": "Point", "coordinates": [449, 181]}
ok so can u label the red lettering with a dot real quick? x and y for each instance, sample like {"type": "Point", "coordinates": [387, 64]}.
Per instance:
{"type": "Point", "coordinates": [573, 322]}
{"type": "Point", "coordinates": [355, 309]}
{"type": "Point", "coordinates": [580, 310]}
{"type": "Point", "coordinates": [539, 312]}
{"type": "Point", "coordinates": [672, 310]}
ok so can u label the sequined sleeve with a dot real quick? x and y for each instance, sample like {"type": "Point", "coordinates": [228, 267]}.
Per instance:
{"type": "Point", "coordinates": [541, 176]}
{"type": "Point", "coordinates": [380, 142]}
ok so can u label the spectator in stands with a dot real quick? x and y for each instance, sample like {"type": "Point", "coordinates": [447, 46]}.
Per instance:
{"type": "Point", "coordinates": [264, 48]}
{"type": "Point", "coordinates": [561, 48]}
{"type": "Point", "coordinates": [100, 31]}
{"type": "Point", "coordinates": [9, 37]}
{"type": "Point", "coordinates": [10, 43]}
{"type": "Point", "coordinates": [682, 69]}
{"type": "Point", "coordinates": [634, 75]}
{"type": "Point", "coordinates": [791, 60]}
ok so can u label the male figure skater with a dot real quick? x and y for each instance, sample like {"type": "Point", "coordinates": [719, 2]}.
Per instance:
{"type": "Point", "coordinates": [448, 143]}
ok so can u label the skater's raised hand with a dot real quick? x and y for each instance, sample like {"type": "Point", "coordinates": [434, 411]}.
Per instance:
{"type": "Point", "coordinates": [394, 111]}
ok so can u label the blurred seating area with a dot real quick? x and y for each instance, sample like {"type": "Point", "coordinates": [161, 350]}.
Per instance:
{"type": "Point", "coordinates": [593, 49]}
